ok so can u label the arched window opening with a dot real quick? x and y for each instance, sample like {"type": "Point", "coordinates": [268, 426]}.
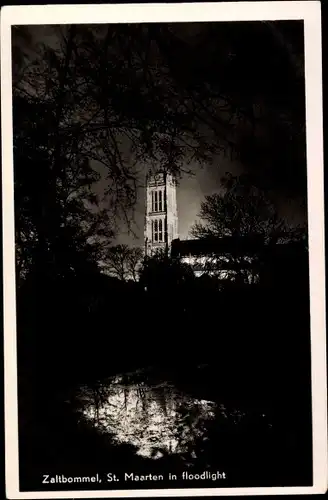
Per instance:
{"type": "Point", "coordinates": [160, 230]}
{"type": "Point", "coordinates": [160, 201]}
{"type": "Point", "coordinates": [157, 201]}
{"type": "Point", "coordinates": [157, 230]}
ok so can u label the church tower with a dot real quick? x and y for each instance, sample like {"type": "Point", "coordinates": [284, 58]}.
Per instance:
{"type": "Point", "coordinates": [161, 220]}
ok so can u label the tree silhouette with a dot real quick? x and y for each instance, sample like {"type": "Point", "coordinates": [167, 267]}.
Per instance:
{"type": "Point", "coordinates": [179, 116]}
{"type": "Point", "coordinates": [57, 213]}
{"type": "Point", "coordinates": [123, 262]}
{"type": "Point", "coordinates": [163, 274]}
{"type": "Point", "coordinates": [241, 211]}
{"type": "Point", "coordinates": [140, 84]}
{"type": "Point", "coordinates": [129, 98]}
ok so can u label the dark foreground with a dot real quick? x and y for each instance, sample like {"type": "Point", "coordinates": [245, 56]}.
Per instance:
{"type": "Point", "coordinates": [212, 381]}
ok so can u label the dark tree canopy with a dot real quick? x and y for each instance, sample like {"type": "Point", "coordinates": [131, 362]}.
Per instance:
{"type": "Point", "coordinates": [162, 274]}
{"type": "Point", "coordinates": [172, 89]}
{"type": "Point", "coordinates": [123, 262]}
{"type": "Point", "coordinates": [240, 210]}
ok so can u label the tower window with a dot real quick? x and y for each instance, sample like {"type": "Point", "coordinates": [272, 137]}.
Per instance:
{"type": "Point", "coordinates": [157, 201]}
{"type": "Point", "coordinates": [157, 231]}
{"type": "Point", "coordinates": [154, 201]}
{"type": "Point", "coordinates": [160, 201]}
{"type": "Point", "coordinates": [160, 230]}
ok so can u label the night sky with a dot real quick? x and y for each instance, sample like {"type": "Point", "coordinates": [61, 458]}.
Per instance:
{"type": "Point", "coordinates": [206, 180]}
{"type": "Point", "coordinates": [191, 191]}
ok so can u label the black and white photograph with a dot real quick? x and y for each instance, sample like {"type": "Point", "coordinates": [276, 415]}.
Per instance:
{"type": "Point", "coordinates": [163, 250]}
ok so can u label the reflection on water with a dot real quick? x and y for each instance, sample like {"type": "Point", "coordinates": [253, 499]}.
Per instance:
{"type": "Point", "coordinates": [156, 418]}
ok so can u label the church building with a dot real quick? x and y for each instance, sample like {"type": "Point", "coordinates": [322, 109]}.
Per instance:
{"type": "Point", "coordinates": [223, 257]}
{"type": "Point", "coordinates": [161, 231]}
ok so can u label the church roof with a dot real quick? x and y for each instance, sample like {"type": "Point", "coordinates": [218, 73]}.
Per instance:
{"type": "Point", "coordinates": [207, 246]}
{"type": "Point", "coordinates": [245, 245]}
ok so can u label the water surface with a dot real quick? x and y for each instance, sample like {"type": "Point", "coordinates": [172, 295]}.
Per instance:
{"type": "Point", "coordinates": [154, 416]}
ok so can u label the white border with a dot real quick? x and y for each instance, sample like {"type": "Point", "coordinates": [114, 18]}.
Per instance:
{"type": "Point", "coordinates": [310, 12]}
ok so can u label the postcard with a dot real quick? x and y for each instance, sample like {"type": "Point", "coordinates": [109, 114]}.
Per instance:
{"type": "Point", "coordinates": [164, 260]}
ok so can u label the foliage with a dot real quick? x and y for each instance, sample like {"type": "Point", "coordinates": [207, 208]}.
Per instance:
{"type": "Point", "coordinates": [242, 211]}
{"type": "Point", "coordinates": [123, 98]}
{"type": "Point", "coordinates": [123, 262]}
{"type": "Point", "coordinates": [58, 221]}
{"type": "Point", "coordinates": [163, 273]}
{"type": "Point", "coordinates": [170, 116]}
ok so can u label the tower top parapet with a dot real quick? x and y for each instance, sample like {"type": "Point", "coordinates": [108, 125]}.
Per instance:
{"type": "Point", "coordinates": [159, 176]}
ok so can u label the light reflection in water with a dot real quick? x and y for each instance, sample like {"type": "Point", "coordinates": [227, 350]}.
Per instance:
{"type": "Point", "coordinates": [155, 418]}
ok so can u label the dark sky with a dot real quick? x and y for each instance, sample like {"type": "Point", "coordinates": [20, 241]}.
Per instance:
{"type": "Point", "coordinates": [287, 46]}
{"type": "Point", "coordinates": [191, 191]}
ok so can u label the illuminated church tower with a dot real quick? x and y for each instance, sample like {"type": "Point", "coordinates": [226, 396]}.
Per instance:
{"type": "Point", "coordinates": [161, 220]}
